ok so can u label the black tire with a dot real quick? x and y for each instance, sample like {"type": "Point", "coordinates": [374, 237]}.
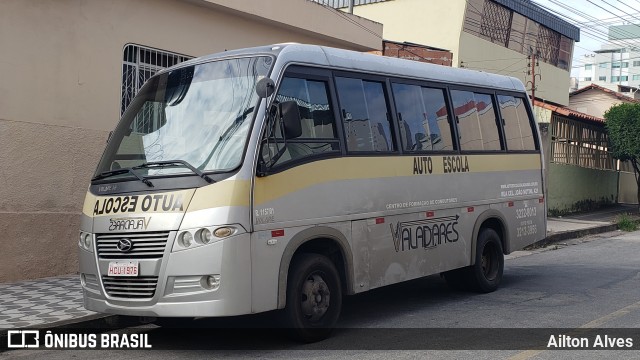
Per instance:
{"type": "Point", "coordinates": [307, 318]}
{"type": "Point", "coordinates": [485, 275]}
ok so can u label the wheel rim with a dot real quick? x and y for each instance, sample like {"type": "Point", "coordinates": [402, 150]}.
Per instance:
{"type": "Point", "coordinates": [489, 262]}
{"type": "Point", "coordinates": [315, 297]}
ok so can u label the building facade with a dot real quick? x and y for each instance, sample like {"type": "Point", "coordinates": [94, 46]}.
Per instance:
{"type": "Point", "coordinates": [69, 68]}
{"type": "Point", "coordinates": [617, 63]}
{"type": "Point", "coordinates": [498, 36]}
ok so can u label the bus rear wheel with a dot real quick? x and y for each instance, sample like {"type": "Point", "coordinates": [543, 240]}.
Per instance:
{"type": "Point", "coordinates": [485, 275]}
{"type": "Point", "coordinates": [314, 298]}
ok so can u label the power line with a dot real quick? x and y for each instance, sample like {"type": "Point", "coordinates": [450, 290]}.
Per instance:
{"type": "Point", "coordinates": [604, 1]}
{"type": "Point", "coordinates": [591, 31]}
{"type": "Point", "coordinates": [477, 27]}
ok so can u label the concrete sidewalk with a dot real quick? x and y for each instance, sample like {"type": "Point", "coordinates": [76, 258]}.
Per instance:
{"type": "Point", "coordinates": [57, 301]}
{"type": "Point", "coordinates": [575, 226]}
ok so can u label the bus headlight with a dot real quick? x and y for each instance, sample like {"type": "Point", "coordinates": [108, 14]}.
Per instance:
{"type": "Point", "coordinates": [85, 241]}
{"type": "Point", "coordinates": [204, 236]}
{"type": "Point", "coordinates": [185, 239]}
{"type": "Point", "coordinates": [193, 238]}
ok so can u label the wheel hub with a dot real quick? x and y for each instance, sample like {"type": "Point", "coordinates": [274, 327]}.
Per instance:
{"type": "Point", "coordinates": [315, 298]}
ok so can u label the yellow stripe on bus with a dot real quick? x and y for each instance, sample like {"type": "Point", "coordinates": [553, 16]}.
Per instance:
{"type": "Point", "coordinates": [224, 193]}
{"type": "Point", "coordinates": [268, 188]}
{"type": "Point", "coordinates": [348, 168]}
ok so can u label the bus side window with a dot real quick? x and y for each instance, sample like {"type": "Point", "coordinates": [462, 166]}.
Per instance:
{"type": "Point", "coordinates": [423, 118]}
{"type": "Point", "coordinates": [517, 127]}
{"type": "Point", "coordinates": [476, 118]}
{"type": "Point", "coordinates": [318, 124]}
{"type": "Point", "coordinates": [365, 115]}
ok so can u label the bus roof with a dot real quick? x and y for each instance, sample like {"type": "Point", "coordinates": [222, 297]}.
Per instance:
{"type": "Point", "coordinates": [324, 56]}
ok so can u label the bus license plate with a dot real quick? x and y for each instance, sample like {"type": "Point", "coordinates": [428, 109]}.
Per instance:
{"type": "Point", "coordinates": [128, 268]}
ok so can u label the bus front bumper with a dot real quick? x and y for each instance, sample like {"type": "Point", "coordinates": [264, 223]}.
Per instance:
{"type": "Point", "coordinates": [207, 281]}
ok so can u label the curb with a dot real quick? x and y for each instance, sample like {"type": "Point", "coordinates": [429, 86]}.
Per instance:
{"type": "Point", "coordinates": [572, 234]}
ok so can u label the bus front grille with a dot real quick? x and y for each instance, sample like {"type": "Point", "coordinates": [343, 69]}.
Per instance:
{"type": "Point", "coordinates": [141, 287]}
{"type": "Point", "coordinates": [149, 245]}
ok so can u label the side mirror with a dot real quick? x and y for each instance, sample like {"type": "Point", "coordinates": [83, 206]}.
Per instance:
{"type": "Point", "coordinates": [291, 121]}
{"type": "Point", "coordinates": [109, 136]}
{"type": "Point", "coordinates": [265, 87]}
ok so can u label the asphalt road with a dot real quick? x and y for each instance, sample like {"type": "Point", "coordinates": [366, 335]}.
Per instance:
{"type": "Point", "coordinates": [592, 282]}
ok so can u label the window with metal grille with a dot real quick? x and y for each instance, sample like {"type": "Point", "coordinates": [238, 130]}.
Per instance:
{"type": "Point", "coordinates": [496, 23]}
{"type": "Point", "coordinates": [491, 21]}
{"type": "Point", "coordinates": [139, 63]}
{"type": "Point", "coordinates": [548, 45]}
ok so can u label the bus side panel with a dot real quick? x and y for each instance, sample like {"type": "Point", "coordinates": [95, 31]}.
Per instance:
{"type": "Point", "coordinates": [413, 245]}
{"type": "Point", "coordinates": [392, 203]}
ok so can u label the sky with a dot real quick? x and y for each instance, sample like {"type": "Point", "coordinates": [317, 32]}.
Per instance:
{"type": "Point", "coordinates": [593, 18]}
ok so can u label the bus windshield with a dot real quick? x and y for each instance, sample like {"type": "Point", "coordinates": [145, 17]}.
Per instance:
{"type": "Point", "coordinates": [198, 115]}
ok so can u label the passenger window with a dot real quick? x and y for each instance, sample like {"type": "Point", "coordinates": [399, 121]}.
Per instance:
{"type": "Point", "coordinates": [423, 118]}
{"type": "Point", "coordinates": [365, 115]}
{"type": "Point", "coordinates": [517, 126]}
{"type": "Point", "coordinates": [318, 123]}
{"type": "Point", "coordinates": [313, 103]}
{"type": "Point", "coordinates": [476, 118]}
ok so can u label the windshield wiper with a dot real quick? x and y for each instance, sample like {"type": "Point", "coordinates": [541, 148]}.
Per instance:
{"type": "Point", "coordinates": [169, 163]}
{"type": "Point", "coordinates": [107, 174]}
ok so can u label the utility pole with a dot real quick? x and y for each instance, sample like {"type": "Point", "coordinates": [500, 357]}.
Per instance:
{"type": "Point", "coordinates": [533, 76]}
{"type": "Point", "coordinates": [533, 62]}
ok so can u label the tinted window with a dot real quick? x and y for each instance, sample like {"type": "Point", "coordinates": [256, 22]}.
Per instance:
{"type": "Point", "coordinates": [313, 103]}
{"type": "Point", "coordinates": [423, 117]}
{"type": "Point", "coordinates": [517, 126]}
{"type": "Point", "coordinates": [318, 123]}
{"type": "Point", "coordinates": [365, 115]}
{"type": "Point", "coordinates": [476, 119]}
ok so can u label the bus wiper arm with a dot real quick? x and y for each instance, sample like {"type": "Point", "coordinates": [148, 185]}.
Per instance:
{"type": "Point", "coordinates": [169, 163]}
{"type": "Point", "coordinates": [107, 174]}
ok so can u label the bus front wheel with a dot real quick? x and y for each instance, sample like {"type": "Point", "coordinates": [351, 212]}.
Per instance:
{"type": "Point", "coordinates": [485, 275]}
{"type": "Point", "coordinates": [314, 298]}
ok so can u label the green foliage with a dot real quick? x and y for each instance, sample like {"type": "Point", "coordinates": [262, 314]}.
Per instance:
{"type": "Point", "coordinates": [623, 127]}
{"type": "Point", "coordinates": [627, 223]}
{"type": "Point", "coordinates": [581, 206]}
{"type": "Point", "coordinates": [553, 212]}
